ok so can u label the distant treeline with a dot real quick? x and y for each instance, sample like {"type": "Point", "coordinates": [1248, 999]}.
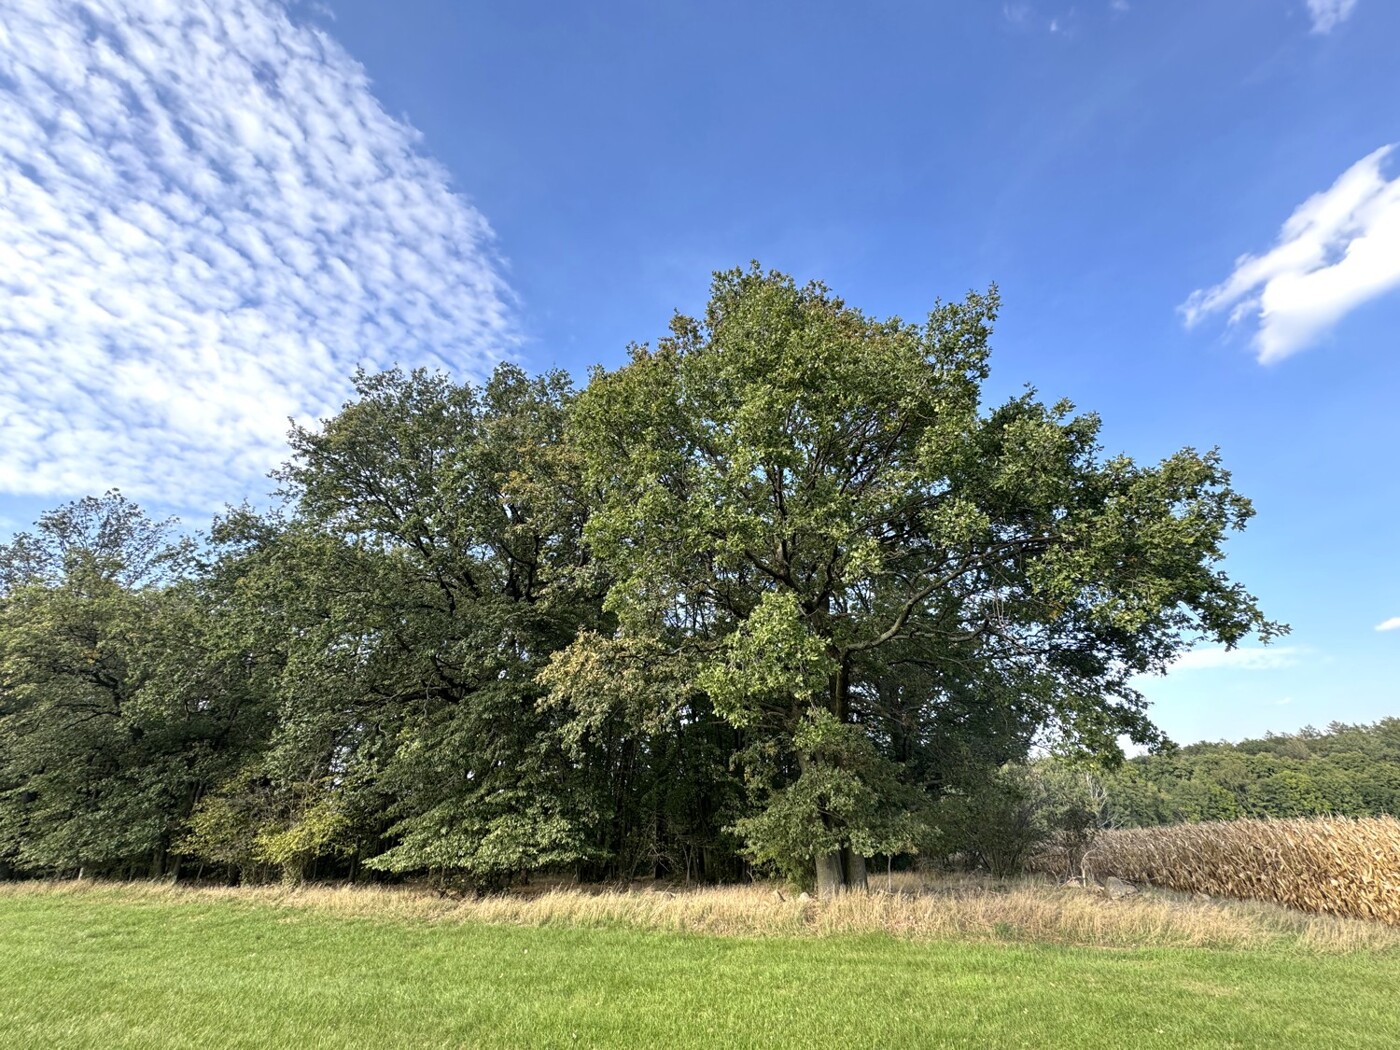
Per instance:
{"type": "Point", "coordinates": [1047, 812]}
{"type": "Point", "coordinates": [1348, 770]}
{"type": "Point", "coordinates": [778, 594]}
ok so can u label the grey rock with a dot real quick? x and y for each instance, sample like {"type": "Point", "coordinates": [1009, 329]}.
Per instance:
{"type": "Point", "coordinates": [1117, 889]}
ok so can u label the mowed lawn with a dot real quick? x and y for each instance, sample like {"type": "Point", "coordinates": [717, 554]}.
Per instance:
{"type": "Point", "coordinates": [107, 970]}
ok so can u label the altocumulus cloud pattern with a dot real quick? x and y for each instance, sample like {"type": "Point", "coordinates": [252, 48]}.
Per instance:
{"type": "Point", "coordinates": [206, 222]}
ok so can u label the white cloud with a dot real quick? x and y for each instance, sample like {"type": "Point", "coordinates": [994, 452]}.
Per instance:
{"type": "Point", "coordinates": [1328, 14]}
{"type": "Point", "coordinates": [206, 221]}
{"type": "Point", "coordinates": [1016, 14]}
{"type": "Point", "coordinates": [1340, 248]}
{"type": "Point", "coordinates": [1393, 624]}
{"type": "Point", "coordinates": [1238, 659]}
{"type": "Point", "coordinates": [1024, 17]}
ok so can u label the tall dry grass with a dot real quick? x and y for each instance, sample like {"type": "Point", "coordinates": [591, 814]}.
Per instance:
{"type": "Point", "coordinates": [1328, 865]}
{"type": "Point", "coordinates": [940, 908]}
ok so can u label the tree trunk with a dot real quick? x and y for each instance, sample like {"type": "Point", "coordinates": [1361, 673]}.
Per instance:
{"type": "Point", "coordinates": [831, 876]}
{"type": "Point", "coordinates": [853, 868]}
{"type": "Point", "coordinates": [842, 871]}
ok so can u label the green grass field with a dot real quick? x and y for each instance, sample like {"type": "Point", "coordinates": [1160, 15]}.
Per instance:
{"type": "Point", "coordinates": [113, 969]}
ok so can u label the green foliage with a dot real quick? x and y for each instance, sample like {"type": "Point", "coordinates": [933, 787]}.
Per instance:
{"type": "Point", "coordinates": [316, 831]}
{"type": "Point", "coordinates": [118, 704]}
{"type": "Point", "coordinates": [1004, 819]}
{"type": "Point", "coordinates": [759, 597]}
{"type": "Point", "coordinates": [998, 824]}
{"type": "Point", "coordinates": [432, 565]}
{"type": "Point", "coordinates": [1076, 808]}
{"type": "Point", "coordinates": [487, 846]}
{"type": "Point", "coordinates": [772, 656]}
{"type": "Point", "coordinates": [255, 825]}
{"type": "Point", "coordinates": [223, 830]}
{"type": "Point", "coordinates": [808, 505]}
{"type": "Point", "coordinates": [847, 796]}
{"type": "Point", "coordinates": [1351, 771]}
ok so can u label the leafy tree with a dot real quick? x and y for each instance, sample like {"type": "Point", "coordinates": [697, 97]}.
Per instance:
{"type": "Point", "coordinates": [116, 711]}
{"type": "Point", "coordinates": [779, 594]}
{"type": "Point", "coordinates": [793, 499]}
{"type": "Point", "coordinates": [430, 563]}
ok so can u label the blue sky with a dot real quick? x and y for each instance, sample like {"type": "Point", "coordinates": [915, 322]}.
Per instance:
{"type": "Point", "coordinates": [211, 211]}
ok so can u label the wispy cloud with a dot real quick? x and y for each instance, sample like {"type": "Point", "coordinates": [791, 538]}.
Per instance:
{"type": "Point", "coordinates": [206, 221]}
{"type": "Point", "coordinates": [1023, 17]}
{"type": "Point", "coordinates": [1239, 659]}
{"type": "Point", "coordinates": [1393, 624]}
{"type": "Point", "coordinates": [1340, 248]}
{"type": "Point", "coordinates": [1018, 15]}
{"type": "Point", "coordinates": [1328, 14]}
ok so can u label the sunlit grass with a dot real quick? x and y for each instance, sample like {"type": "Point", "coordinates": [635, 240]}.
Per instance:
{"type": "Point", "coordinates": [154, 967]}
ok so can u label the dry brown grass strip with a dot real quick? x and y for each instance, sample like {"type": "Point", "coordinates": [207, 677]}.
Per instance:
{"type": "Point", "coordinates": [941, 908]}
{"type": "Point", "coordinates": [1328, 865]}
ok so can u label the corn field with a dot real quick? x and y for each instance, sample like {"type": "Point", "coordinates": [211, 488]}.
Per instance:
{"type": "Point", "coordinates": [1329, 865]}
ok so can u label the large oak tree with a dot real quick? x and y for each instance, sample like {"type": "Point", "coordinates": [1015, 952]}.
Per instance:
{"type": "Point", "coordinates": [810, 518]}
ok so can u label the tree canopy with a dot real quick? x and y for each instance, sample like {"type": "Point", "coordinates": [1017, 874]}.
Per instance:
{"type": "Point", "coordinates": [1345, 770]}
{"type": "Point", "coordinates": [755, 600]}
{"type": "Point", "coordinates": [810, 510]}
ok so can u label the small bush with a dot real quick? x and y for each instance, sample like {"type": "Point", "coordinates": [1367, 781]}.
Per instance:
{"type": "Point", "coordinates": [998, 824]}
{"type": "Point", "coordinates": [1019, 812]}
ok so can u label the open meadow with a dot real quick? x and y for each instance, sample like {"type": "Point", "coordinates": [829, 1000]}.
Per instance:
{"type": "Point", "coordinates": [846, 525]}
{"type": "Point", "coordinates": [960, 962]}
